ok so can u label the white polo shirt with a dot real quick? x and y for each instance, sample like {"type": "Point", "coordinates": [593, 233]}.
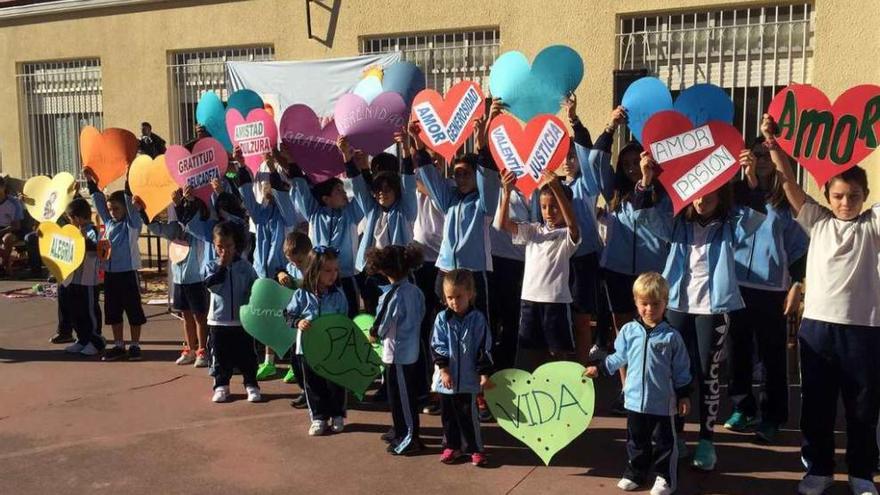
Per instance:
{"type": "Point", "coordinates": [548, 252]}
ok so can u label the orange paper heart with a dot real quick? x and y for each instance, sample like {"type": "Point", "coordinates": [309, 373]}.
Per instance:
{"type": "Point", "coordinates": [107, 154]}
{"type": "Point", "coordinates": [150, 181]}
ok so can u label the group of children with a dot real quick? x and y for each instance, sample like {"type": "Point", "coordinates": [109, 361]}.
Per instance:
{"type": "Point", "coordinates": [422, 263]}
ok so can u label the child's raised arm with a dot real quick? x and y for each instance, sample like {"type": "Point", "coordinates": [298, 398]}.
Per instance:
{"type": "Point", "coordinates": [793, 191]}
{"type": "Point", "coordinates": [508, 179]}
{"type": "Point", "coordinates": [564, 204]}
{"type": "Point", "coordinates": [98, 197]}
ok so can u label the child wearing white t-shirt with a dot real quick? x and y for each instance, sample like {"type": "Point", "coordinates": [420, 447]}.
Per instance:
{"type": "Point", "coordinates": [545, 328]}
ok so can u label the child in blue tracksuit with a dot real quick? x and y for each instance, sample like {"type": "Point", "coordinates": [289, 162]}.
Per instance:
{"type": "Point", "coordinates": [122, 293]}
{"type": "Point", "coordinates": [461, 345]}
{"type": "Point", "coordinates": [82, 286]}
{"type": "Point", "coordinates": [701, 273]}
{"type": "Point", "coordinates": [656, 388]}
{"type": "Point", "coordinates": [229, 279]}
{"type": "Point", "coordinates": [333, 220]}
{"type": "Point", "coordinates": [319, 295]}
{"type": "Point", "coordinates": [764, 277]}
{"type": "Point", "coordinates": [297, 247]}
{"type": "Point", "coordinates": [190, 298]}
{"type": "Point", "coordinates": [398, 324]}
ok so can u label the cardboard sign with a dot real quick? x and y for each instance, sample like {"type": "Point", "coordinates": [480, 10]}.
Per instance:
{"type": "Point", "coordinates": [207, 161]}
{"type": "Point", "coordinates": [150, 181]}
{"type": "Point", "coordinates": [700, 103]}
{"type": "Point", "coordinates": [178, 250]}
{"type": "Point", "coordinates": [107, 153]}
{"type": "Point", "coordinates": [447, 123]}
{"type": "Point", "coordinates": [827, 139]}
{"type": "Point", "coordinates": [540, 88]}
{"type": "Point", "coordinates": [542, 145]}
{"type": "Point", "coordinates": [256, 134]}
{"type": "Point", "coordinates": [62, 249]}
{"type": "Point", "coordinates": [263, 315]}
{"type": "Point", "coordinates": [546, 409]}
{"type": "Point", "coordinates": [339, 350]}
{"type": "Point", "coordinates": [211, 112]}
{"type": "Point", "coordinates": [694, 160]}
{"type": "Point", "coordinates": [48, 198]}
{"type": "Point", "coordinates": [370, 127]}
{"type": "Point", "coordinates": [310, 145]}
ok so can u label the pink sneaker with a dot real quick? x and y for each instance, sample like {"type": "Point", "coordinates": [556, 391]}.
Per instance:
{"type": "Point", "coordinates": [479, 459]}
{"type": "Point", "coordinates": [449, 456]}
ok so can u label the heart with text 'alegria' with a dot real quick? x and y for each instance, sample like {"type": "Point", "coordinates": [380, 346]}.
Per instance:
{"type": "Point", "coordinates": [446, 123]}
{"type": "Point", "coordinates": [827, 139]}
{"type": "Point", "coordinates": [693, 161]}
{"type": "Point", "coordinates": [197, 168]}
{"type": "Point", "coordinates": [527, 152]}
{"type": "Point", "coordinates": [311, 145]}
{"type": "Point", "coordinates": [256, 134]}
{"type": "Point", "coordinates": [370, 127]}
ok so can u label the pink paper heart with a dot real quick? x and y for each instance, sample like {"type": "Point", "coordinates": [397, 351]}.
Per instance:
{"type": "Point", "coordinates": [256, 134]}
{"type": "Point", "coordinates": [207, 161]}
{"type": "Point", "coordinates": [310, 144]}
{"type": "Point", "coordinates": [370, 127]}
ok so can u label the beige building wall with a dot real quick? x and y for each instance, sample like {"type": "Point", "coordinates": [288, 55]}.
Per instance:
{"type": "Point", "coordinates": [133, 44]}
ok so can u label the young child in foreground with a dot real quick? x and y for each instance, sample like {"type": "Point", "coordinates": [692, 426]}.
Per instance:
{"type": "Point", "coordinates": [657, 386]}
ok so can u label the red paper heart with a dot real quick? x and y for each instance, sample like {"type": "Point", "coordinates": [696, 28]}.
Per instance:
{"type": "Point", "coordinates": [447, 123]}
{"type": "Point", "coordinates": [852, 135]}
{"type": "Point", "coordinates": [542, 145]}
{"type": "Point", "coordinates": [680, 150]}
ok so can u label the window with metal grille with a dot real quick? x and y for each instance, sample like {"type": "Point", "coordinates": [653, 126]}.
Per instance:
{"type": "Point", "coordinates": [750, 52]}
{"type": "Point", "coordinates": [57, 99]}
{"type": "Point", "coordinates": [192, 73]}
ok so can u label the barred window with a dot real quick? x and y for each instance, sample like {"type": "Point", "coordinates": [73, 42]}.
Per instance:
{"type": "Point", "coordinates": [57, 99]}
{"type": "Point", "coordinates": [192, 73]}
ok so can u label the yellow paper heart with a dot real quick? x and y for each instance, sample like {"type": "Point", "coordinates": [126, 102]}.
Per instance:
{"type": "Point", "coordinates": [48, 198]}
{"type": "Point", "coordinates": [62, 249]}
{"type": "Point", "coordinates": [149, 180]}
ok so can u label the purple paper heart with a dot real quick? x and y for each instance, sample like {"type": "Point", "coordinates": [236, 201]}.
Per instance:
{"type": "Point", "coordinates": [312, 147]}
{"type": "Point", "coordinates": [370, 127]}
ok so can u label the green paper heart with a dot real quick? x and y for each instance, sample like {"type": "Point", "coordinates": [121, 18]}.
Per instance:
{"type": "Point", "coordinates": [263, 315]}
{"type": "Point", "coordinates": [339, 350]}
{"type": "Point", "coordinates": [546, 409]}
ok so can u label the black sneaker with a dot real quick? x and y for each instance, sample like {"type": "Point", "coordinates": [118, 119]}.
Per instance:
{"type": "Point", "coordinates": [134, 353]}
{"type": "Point", "coordinates": [381, 395]}
{"type": "Point", "coordinates": [486, 415]}
{"type": "Point", "coordinates": [388, 436]}
{"type": "Point", "coordinates": [414, 447]}
{"type": "Point", "coordinates": [432, 410]}
{"type": "Point", "coordinates": [62, 338]}
{"type": "Point", "coordinates": [114, 354]}
{"type": "Point", "coordinates": [299, 402]}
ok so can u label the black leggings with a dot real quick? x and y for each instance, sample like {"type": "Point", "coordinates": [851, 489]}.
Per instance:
{"type": "Point", "coordinates": [704, 338]}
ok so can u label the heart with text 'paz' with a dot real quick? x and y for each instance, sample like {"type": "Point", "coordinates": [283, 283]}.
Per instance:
{"type": "Point", "coordinates": [694, 161]}
{"type": "Point", "coordinates": [827, 139]}
{"type": "Point", "coordinates": [547, 409]}
{"type": "Point", "coordinates": [446, 123]}
{"type": "Point", "coordinates": [339, 349]}
{"type": "Point", "coordinates": [542, 145]}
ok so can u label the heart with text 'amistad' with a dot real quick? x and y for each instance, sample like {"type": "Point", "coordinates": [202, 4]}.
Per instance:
{"type": "Point", "coordinates": [542, 145]}
{"type": "Point", "coordinates": [446, 123]}
{"type": "Point", "coordinates": [694, 161]}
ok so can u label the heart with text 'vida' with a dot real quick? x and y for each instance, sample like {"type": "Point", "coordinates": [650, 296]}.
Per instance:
{"type": "Point", "coordinates": [827, 139]}
{"type": "Point", "coordinates": [197, 168]}
{"type": "Point", "coordinates": [256, 134]}
{"type": "Point", "coordinates": [694, 161]}
{"type": "Point", "coordinates": [107, 154]}
{"type": "Point", "coordinates": [311, 145]}
{"type": "Point", "coordinates": [446, 123]}
{"type": "Point", "coordinates": [542, 145]}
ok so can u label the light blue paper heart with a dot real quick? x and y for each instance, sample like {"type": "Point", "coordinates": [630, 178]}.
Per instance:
{"type": "Point", "coordinates": [643, 98]}
{"type": "Point", "coordinates": [368, 88]}
{"type": "Point", "coordinates": [405, 79]}
{"type": "Point", "coordinates": [211, 112]}
{"type": "Point", "coordinates": [244, 100]}
{"type": "Point", "coordinates": [704, 102]}
{"type": "Point", "coordinates": [531, 90]}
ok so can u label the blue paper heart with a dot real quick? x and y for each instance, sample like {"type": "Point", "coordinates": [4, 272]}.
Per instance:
{"type": "Point", "coordinates": [405, 79]}
{"type": "Point", "coordinates": [700, 103]}
{"type": "Point", "coordinates": [211, 113]}
{"type": "Point", "coordinates": [531, 90]}
{"type": "Point", "coordinates": [368, 88]}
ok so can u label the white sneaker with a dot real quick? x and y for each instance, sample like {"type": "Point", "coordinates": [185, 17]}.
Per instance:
{"type": "Point", "coordinates": [661, 487]}
{"type": "Point", "coordinates": [317, 428]}
{"type": "Point", "coordinates": [337, 424]}
{"type": "Point", "coordinates": [627, 485]}
{"type": "Point", "coordinates": [74, 348]}
{"type": "Point", "coordinates": [254, 394]}
{"type": "Point", "coordinates": [89, 350]}
{"type": "Point", "coordinates": [814, 485]}
{"type": "Point", "coordinates": [201, 359]}
{"type": "Point", "coordinates": [221, 394]}
{"type": "Point", "coordinates": [861, 486]}
{"type": "Point", "coordinates": [186, 357]}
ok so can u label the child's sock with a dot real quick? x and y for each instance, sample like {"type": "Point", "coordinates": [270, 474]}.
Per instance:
{"type": "Point", "coordinates": [270, 359]}
{"type": "Point", "coordinates": [135, 343]}
{"type": "Point", "coordinates": [119, 343]}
